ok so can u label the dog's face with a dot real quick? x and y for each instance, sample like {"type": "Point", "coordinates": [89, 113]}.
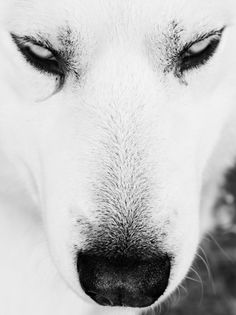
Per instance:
{"type": "Point", "coordinates": [119, 106]}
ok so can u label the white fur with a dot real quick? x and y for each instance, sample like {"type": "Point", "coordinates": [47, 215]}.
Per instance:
{"type": "Point", "coordinates": [52, 152]}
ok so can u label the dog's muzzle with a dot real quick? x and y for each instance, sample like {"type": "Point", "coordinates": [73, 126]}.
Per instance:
{"type": "Point", "coordinates": [123, 281]}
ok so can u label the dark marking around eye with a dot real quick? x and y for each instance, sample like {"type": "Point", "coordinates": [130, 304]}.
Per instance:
{"type": "Point", "coordinates": [72, 42]}
{"type": "Point", "coordinates": [171, 43]}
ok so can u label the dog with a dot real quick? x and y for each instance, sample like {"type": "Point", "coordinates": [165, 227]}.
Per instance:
{"type": "Point", "coordinates": [117, 126]}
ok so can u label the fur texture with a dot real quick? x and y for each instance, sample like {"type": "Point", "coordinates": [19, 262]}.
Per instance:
{"type": "Point", "coordinates": [125, 154]}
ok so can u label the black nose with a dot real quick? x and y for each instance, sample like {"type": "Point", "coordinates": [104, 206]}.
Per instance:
{"type": "Point", "coordinates": [127, 282]}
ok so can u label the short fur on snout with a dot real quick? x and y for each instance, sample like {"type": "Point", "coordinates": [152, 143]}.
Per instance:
{"type": "Point", "coordinates": [107, 145]}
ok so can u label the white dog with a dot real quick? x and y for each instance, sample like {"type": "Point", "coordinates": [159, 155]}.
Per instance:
{"type": "Point", "coordinates": [116, 128]}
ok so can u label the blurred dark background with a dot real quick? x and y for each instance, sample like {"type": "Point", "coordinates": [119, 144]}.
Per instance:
{"type": "Point", "coordinates": [211, 286]}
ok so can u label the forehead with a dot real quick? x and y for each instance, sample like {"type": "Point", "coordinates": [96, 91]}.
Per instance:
{"type": "Point", "coordinates": [116, 15]}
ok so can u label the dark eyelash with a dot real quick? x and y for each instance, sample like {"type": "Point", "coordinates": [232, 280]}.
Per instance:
{"type": "Point", "coordinates": [52, 66]}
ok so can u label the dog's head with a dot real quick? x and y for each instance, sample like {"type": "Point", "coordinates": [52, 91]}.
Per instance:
{"type": "Point", "coordinates": [119, 106]}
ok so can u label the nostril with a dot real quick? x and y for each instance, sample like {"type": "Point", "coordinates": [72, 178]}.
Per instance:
{"type": "Point", "coordinates": [102, 300]}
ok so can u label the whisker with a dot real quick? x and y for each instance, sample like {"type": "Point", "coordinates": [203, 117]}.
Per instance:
{"type": "Point", "coordinates": [220, 248]}
{"type": "Point", "coordinates": [200, 282]}
{"type": "Point", "coordinates": [206, 264]}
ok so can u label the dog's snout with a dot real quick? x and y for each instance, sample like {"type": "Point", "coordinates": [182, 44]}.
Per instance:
{"type": "Point", "coordinates": [127, 282]}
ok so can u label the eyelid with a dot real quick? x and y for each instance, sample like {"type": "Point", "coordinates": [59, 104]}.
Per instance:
{"type": "Point", "coordinates": [25, 41]}
{"type": "Point", "coordinates": [214, 34]}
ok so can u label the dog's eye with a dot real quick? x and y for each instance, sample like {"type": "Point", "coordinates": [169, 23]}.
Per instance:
{"type": "Point", "coordinates": [199, 52]}
{"type": "Point", "coordinates": [40, 57]}
{"type": "Point", "coordinates": [40, 52]}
